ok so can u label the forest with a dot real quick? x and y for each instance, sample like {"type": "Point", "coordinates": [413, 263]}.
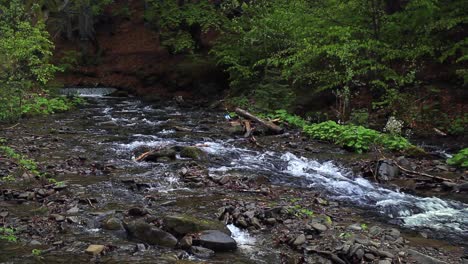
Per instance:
{"type": "Point", "coordinates": [234, 131]}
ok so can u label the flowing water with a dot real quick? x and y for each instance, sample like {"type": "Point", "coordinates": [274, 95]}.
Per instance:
{"type": "Point", "coordinates": [152, 127]}
{"type": "Point", "coordinates": [109, 130]}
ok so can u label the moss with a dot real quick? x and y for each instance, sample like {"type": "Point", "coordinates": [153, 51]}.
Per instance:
{"type": "Point", "coordinates": [185, 224]}
{"type": "Point", "coordinates": [193, 153]}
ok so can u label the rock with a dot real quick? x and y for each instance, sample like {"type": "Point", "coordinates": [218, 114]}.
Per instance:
{"type": "Point", "coordinates": [112, 224]}
{"type": "Point", "coordinates": [95, 249]}
{"type": "Point", "coordinates": [319, 227]}
{"type": "Point", "coordinates": [270, 221]}
{"type": "Point", "coordinates": [157, 155]}
{"type": "Point", "coordinates": [73, 220]}
{"type": "Point", "coordinates": [192, 153]}
{"type": "Point", "coordinates": [354, 227]}
{"type": "Point", "coordinates": [201, 252]}
{"type": "Point", "coordinates": [359, 253]}
{"type": "Point", "coordinates": [375, 230]}
{"type": "Point", "coordinates": [256, 223]}
{"type": "Point", "coordinates": [299, 240]}
{"type": "Point", "coordinates": [463, 187]}
{"type": "Point", "coordinates": [423, 259]}
{"type": "Point", "coordinates": [369, 256]}
{"type": "Point", "coordinates": [58, 218]}
{"type": "Point", "coordinates": [35, 243]}
{"type": "Point", "coordinates": [387, 170]}
{"type": "Point", "coordinates": [186, 242]}
{"type": "Point", "coordinates": [140, 247]}
{"type": "Point", "coordinates": [394, 233]}
{"type": "Point", "coordinates": [73, 210]}
{"type": "Point", "coordinates": [216, 240]}
{"type": "Point", "coordinates": [136, 211]}
{"type": "Point", "coordinates": [149, 234]}
{"type": "Point", "coordinates": [185, 224]}
{"type": "Point", "coordinates": [385, 261]}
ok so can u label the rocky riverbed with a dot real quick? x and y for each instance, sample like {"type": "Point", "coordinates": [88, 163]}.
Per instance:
{"type": "Point", "coordinates": [207, 195]}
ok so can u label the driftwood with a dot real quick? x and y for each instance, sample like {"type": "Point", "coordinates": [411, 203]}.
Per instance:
{"type": "Point", "coordinates": [276, 129]}
{"type": "Point", "coordinates": [415, 172]}
{"type": "Point", "coordinates": [422, 173]}
{"type": "Point", "coordinates": [248, 129]}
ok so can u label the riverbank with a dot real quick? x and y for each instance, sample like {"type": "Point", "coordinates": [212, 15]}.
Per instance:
{"type": "Point", "coordinates": [292, 201]}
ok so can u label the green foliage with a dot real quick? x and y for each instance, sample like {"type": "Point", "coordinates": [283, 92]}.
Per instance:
{"type": "Point", "coordinates": [24, 164]}
{"type": "Point", "coordinates": [292, 120]}
{"type": "Point", "coordinates": [356, 138]}
{"type": "Point", "coordinates": [8, 234]}
{"type": "Point", "coordinates": [36, 252]}
{"type": "Point", "coordinates": [332, 45]}
{"type": "Point", "coordinates": [359, 117]}
{"type": "Point", "coordinates": [460, 159]}
{"type": "Point", "coordinates": [70, 60]}
{"type": "Point", "coordinates": [180, 24]}
{"type": "Point", "coordinates": [458, 125]}
{"type": "Point", "coordinates": [25, 54]}
{"type": "Point", "coordinates": [40, 105]}
{"type": "Point", "coordinates": [300, 212]}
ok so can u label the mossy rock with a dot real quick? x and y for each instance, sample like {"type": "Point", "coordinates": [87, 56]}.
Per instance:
{"type": "Point", "coordinates": [192, 153]}
{"type": "Point", "coordinates": [415, 151]}
{"type": "Point", "coordinates": [181, 225]}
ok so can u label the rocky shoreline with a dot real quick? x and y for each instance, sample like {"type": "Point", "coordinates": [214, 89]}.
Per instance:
{"type": "Point", "coordinates": [95, 215]}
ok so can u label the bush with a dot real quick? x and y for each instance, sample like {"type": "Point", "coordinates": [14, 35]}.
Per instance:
{"type": "Point", "coordinates": [460, 159]}
{"type": "Point", "coordinates": [356, 138]}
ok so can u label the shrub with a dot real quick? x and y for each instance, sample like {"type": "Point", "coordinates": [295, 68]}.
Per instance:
{"type": "Point", "coordinates": [460, 159]}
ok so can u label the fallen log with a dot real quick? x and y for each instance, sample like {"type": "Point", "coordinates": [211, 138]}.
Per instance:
{"type": "Point", "coordinates": [276, 129]}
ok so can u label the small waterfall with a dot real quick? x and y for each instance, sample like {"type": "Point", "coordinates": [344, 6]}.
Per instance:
{"type": "Point", "coordinates": [88, 92]}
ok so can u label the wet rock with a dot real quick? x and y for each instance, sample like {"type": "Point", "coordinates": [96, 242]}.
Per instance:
{"type": "Point", "coordinates": [423, 259]}
{"type": "Point", "coordinates": [461, 187]}
{"type": "Point", "coordinates": [270, 221]}
{"type": "Point", "coordinates": [95, 249]}
{"type": "Point", "coordinates": [160, 154]}
{"type": "Point", "coordinates": [140, 247]}
{"type": "Point", "coordinates": [149, 234]}
{"type": "Point", "coordinates": [216, 240]}
{"type": "Point", "coordinates": [192, 153]}
{"type": "Point", "coordinates": [185, 224]}
{"type": "Point", "coordinates": [112, 224]}
{"type": "Point", "coordinates": [387, 170]}
{"type": "Point", "coordinates": [299, 240]}
{"type": "Point", "coordinates": [136, 211]}
{"type": "Point", "coordinates": [186, 242]}
{"type": "Point", "coordinates": [201, 252]}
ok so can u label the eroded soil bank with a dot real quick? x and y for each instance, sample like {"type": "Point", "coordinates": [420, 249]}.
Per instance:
{"type": "Point", "coordinates": [285, 200]}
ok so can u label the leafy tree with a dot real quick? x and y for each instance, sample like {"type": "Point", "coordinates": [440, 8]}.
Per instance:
{"type": "Point", "coordinates": [25, 53]}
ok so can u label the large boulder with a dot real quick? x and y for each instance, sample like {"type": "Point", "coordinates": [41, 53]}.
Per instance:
{"type": "Point", "coordinates": [185, 224]}
{"type": "Point", "coordinates": [215, 240]}
{"type": "Point", "coordinates": [147, 233]}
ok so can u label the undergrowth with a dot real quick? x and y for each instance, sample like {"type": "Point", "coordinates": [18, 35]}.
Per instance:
{"type": "Point", "coordinates": [353, 137]}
